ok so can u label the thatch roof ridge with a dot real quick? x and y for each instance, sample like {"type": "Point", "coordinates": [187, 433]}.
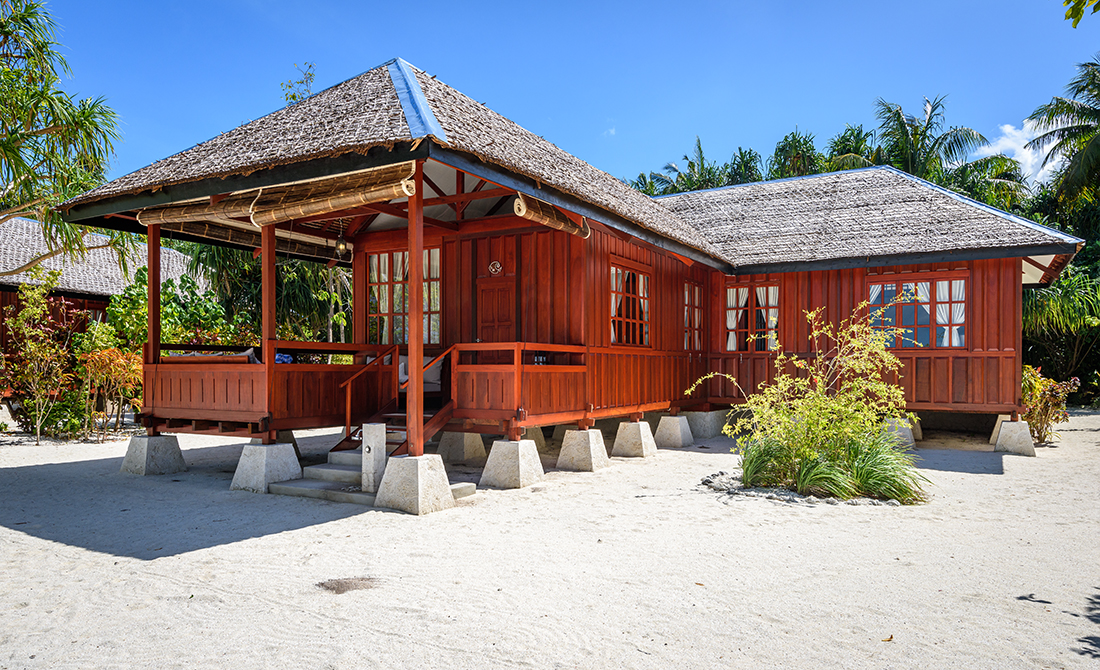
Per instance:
{"type": "Point", "coordinates": [396, 102]}
{"type": "Point", "coordinates": [854, 215]}
{"type": "Point", "coordinates": [98, 273]}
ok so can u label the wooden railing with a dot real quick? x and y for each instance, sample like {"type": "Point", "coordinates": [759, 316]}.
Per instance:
{"type": "Point", "coordinates": [432, 363]}
{"type": "Point", "coordinates": [376, 364]}
{"type": "Point", "coordinates": [516, 389]}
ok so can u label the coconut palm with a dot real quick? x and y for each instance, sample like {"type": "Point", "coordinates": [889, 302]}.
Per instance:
{"type": "Point", "coordinates": [699, 174]}
{"type": "Point", "coordinates": [919, 145]}
{"type": "Point", "coordinates": [995, 180]}
{"type": "Point", "coordinates": [1070, 128]}
{"type": "Point", "coordinates": [854, 148]}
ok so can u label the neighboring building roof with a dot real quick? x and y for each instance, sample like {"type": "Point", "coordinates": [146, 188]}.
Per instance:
{"type": "Point", "coordinates": [398, 103]}
{"type": "Point", "coordinates": [844, 219]}
{"type": "Point", "coordinates": [98, 273]}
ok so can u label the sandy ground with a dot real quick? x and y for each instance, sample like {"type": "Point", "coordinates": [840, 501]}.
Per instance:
{"type": "Point", "coordinates": [635, 566]}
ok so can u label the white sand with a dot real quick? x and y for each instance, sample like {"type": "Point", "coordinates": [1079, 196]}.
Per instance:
{"type": "Point", "coordinates": [634, 566]}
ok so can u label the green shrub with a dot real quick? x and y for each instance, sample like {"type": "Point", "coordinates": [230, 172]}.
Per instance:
{"type": "Point", "coordinates": [1045, 402]}
{"type": "Point", "coordinates": [819, 428]}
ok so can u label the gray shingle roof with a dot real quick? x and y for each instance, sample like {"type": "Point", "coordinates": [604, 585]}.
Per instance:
{"type": "Point", "coordinates": [367, 111]}
{"type": "Point", "coordinates": [98, 273]}
{"type": "Point", "coordinates": [854, 215]}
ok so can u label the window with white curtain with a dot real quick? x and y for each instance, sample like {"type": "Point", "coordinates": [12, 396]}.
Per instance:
{"type": "Point", "coordinates": [929, 313]}
{"type": "Point", "coordinates": [388, 299]}
{"type": "Point", "coordinates": [693, 317]}
{"type": "Point", "coordinates": [630, 304]}
{"type": "Point", "coordinates": [752, 318]}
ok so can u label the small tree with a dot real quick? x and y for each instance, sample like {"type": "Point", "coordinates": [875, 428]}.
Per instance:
{"type": "Point", "coordinates": [1045, 402]}
{"type": "Point", "coordinates": [40, 365]}
{"type": "Point", "coordinates": [820, 426]}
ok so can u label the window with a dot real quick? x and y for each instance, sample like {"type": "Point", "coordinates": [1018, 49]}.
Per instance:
{"type": "Point", "coordinates": [693, 317]}
{"type": "Point", "coordinates": [752, 318]}
{"type": "Point", "coordinates": [388, 299]}
{"type": "Point", "coordinates": [910, 310]}
{"type": "Point", "coordinates": [629, 307]}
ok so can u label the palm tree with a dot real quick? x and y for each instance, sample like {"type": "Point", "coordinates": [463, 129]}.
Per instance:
{"type": "Point", "coordinates": [795, 156]}
{"type": "Point", "coordinates": [700, 173]}
{"type": "Point", "coordinates": [854, 148]}
{"type": "Point", "coordinates": [744, 167]}
{"type": "Point", "coordinates": [917, 145]}
{"type": "Point", "coordinates": [1064, 319]}
{"type": "Point", "coordinates": [995, 180]}
{"type": "Point", "coordinates": [1071, 131]}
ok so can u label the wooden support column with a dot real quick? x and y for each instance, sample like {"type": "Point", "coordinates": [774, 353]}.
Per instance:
{"type": "Point", "coordinates": [152, 346]}
{"type": "Point", "coordinates": [415, 397]}
{"type": "Point", "coordinates": [267, 283]}
{"type": "Point", "coordinates": [152, 246]}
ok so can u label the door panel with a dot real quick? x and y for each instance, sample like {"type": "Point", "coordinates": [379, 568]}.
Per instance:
{"type": "Point", "coordinates": [496, 318]}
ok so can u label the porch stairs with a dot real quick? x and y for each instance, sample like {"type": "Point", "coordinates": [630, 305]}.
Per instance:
{"type": "Point", "coordinates": [341, 480]}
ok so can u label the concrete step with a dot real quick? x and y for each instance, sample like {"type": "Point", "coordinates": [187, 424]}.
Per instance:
{"type": "Point", "coordinates": [349, 474]}
{"type": "Point", "coordinates": [353, 458]}
{"type": "Point", "coordinates": [315, 488]}
{"type": "Point", "coordinates": [463, 489]}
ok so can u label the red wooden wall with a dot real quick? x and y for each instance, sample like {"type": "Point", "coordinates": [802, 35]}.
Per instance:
{"type": "Point", "coordinates": [984, 376]}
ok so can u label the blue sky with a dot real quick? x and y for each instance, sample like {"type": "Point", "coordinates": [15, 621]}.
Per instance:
{"type": "Point", "coordinates": [624, 86]}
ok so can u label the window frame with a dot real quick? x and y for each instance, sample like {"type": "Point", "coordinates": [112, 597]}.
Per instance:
{"type": "Point", "coordinates": [376, 316]}
{"type": "Point", "coordinates": [932, 278]}
{"type": "Point", "coordinates": [751, 332]}
{"type": "Point", "coordinates": [693, 312]}
{"type": "Point", "coordinates": [643, 304]}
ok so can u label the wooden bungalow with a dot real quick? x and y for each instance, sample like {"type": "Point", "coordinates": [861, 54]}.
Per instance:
{"type": "Point", "coordinates": [501, 283]}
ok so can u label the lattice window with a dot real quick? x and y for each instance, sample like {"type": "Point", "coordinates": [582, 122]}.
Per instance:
{"type": "Point", "coordinates": [388, 297]}
{"type": "Point", "coordinates": [924, 313]}
{"type": "Point", "coordinates": [630, 305]}
{"type": "Point", "coordinates": [752, 318]}
{"type": "Point", "coordinates": [693, 317]}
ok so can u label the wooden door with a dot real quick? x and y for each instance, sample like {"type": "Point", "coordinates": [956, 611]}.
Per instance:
{"type": "Point", "coordinates": [496, 316]}
{"type": "Point", "coordinates": [496, 295]}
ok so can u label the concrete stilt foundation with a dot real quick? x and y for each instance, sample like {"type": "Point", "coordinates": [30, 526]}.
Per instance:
{"type": "Point", "coordinates": [468, 448]}
{"type": "Point", "coordinates": [263, 464]}
{"type": "Point", "coordinates": [283, 437]}
{"type": "Point", "coordinates": [560, 431]}
{"type": "Point", "coordinates": [374, 456]}
{"type": "Point", "coordinates": [900, 429]}
{"type": "Point", "coordinates": [1014, 437]}
{"type": "Point", "coordinates": [534, 433]}
{"type": "Point", "coordinates": [634, 439]}
{"type": "Point", "coordinates": [153, 455]}
{"type": "Point", "coordinates": [583, 451]}
{"type": "Point", "coordinates": [673, 433]}
{"type": "Point", "coordinates": [918, 433]}
{"type": "Point", "coordinates": [415, 484]}
{"type": "Point", "coordinates": [705, 425]}
{"type": "Point", "coordinates": [512, 465]}
{"type": "Point", "coordinates": [1001, 418]}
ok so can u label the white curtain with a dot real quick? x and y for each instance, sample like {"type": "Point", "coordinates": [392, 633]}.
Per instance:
{"type": "Point", "coordinates": [958, 312]}
{"type": "Point", "coordinates": [616, 298]}
{"type": "Point", "coordinates": [768, 296]}
{"type": "Point", "coordinates": [698, 309]}
{"type": "Point", "coordinates": [876, 293]}
{"type": "Point", "coordinates": [736, 299]}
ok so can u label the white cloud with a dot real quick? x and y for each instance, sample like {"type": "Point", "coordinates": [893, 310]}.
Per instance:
{"type": "Point", "coordinates": [1011, 143]}
{"type": "Point", "coordinates": [610, 131]}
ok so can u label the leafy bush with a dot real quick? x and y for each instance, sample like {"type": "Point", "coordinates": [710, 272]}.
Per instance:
{"type": "Point", "coordinates": [819, 428]}
{"type": "Point", "coordinates": [1045, 402]}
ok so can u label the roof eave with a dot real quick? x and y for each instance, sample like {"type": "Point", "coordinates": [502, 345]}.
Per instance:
{"type": "Point", "coordinates": [350, 161]}
{"type": "Point", "coordinates": [528, 186]}
{"type": "Point", "coordinates": [1067, 249]}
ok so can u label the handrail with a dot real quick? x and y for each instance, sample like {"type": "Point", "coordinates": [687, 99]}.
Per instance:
{"type": "Point", "coordinates": [327, 347]}
{"type": "Point", "coordinates": [431, 363]}
{"type": "Point", "coordinates": [377, 361]}
{"type": "Point", "coordinates": [392, 351]}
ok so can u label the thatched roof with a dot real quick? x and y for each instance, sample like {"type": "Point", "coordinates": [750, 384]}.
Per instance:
{"type": "Point", "coordinates": [873, 216]}
{"type": "Point", "coordinates": [98, 273]}
{"type": "Point", "coordinates": [390, 104]}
